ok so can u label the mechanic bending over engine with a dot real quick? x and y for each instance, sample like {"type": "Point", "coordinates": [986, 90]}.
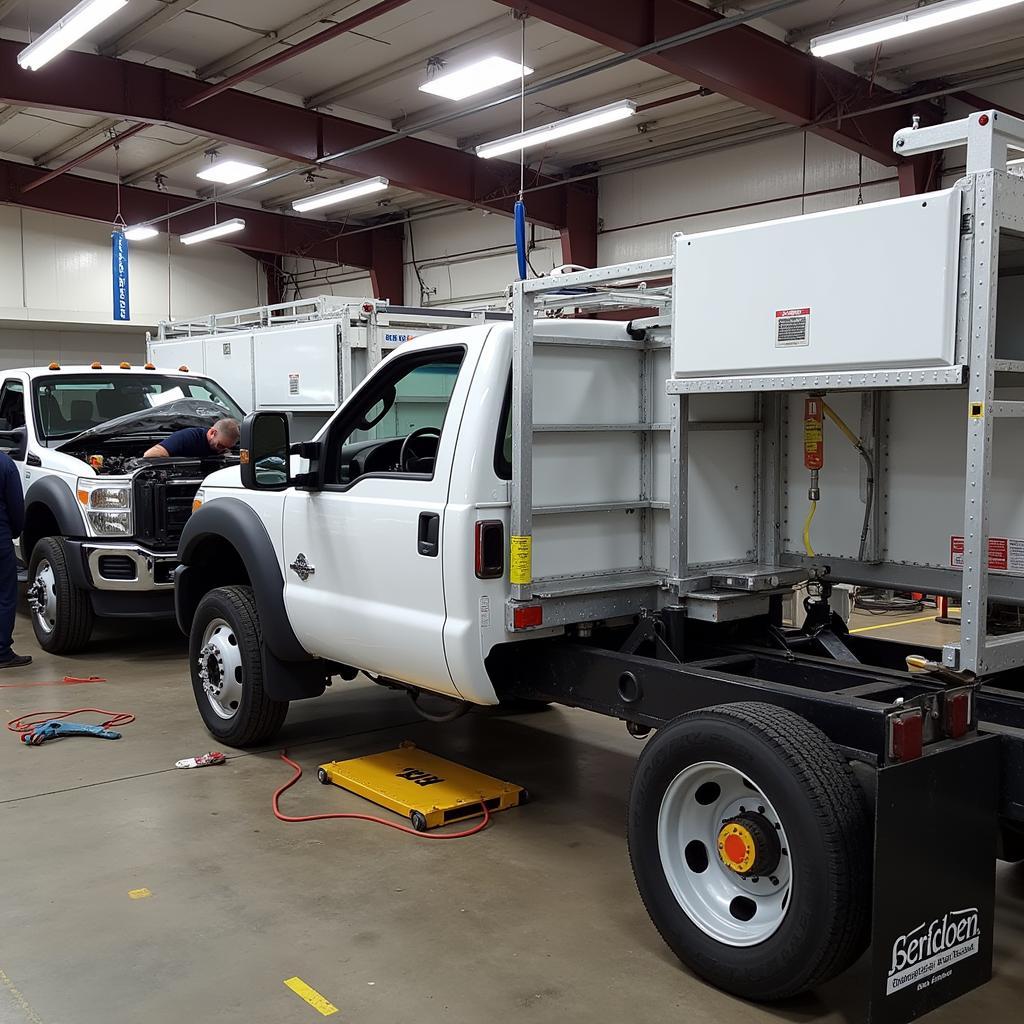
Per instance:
{"type": "Point", "coordinates": [196, 443]}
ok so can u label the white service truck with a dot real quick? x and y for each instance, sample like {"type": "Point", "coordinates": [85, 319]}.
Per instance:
{"type": "Point", "coordinates": [609, 516]}
{"type": "Point", "coordinates": [101, 522]}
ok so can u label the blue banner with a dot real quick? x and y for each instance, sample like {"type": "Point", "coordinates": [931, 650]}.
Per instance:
{"type": "Point", "coordinates": [119, 273]}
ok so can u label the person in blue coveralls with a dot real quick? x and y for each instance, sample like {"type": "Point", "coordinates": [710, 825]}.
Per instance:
{"type": "Point", "coordinates": [196, 443]}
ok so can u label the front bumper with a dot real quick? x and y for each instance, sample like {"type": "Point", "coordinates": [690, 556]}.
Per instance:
{"type": "Point", "coordinates": [120, 566]}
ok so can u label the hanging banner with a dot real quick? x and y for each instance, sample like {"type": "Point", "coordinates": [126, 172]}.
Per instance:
{"type": "Point", "coordinates": [119, 273]}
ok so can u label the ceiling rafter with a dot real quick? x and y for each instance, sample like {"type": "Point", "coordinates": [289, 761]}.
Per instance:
{"type": "Point", "coordinates": [117, 45]}
{"type": "Point", "coordinates": [104, 127]}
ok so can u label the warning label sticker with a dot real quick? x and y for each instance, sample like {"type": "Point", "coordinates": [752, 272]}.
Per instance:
{"type": "Point", "coordinates": [1005, 554]}
{"type": "Point", "coordinates": [520, 560]}
{"type": "Point", "coordinates": [293, 383]}
{"type": "Point", "coordinates": [792, 327]}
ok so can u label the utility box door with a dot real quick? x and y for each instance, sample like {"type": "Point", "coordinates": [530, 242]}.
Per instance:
{"type": "Point", "coordinates": [228, 360]}
{"type": "Point", "coordinates": [297, 367]}
{"type": "Point", "coordinates": [169, 355]}
{"type": "Point", "coordinates": [858, 288]}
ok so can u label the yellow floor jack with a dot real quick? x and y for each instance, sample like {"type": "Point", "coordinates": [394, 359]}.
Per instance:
{"type": "Point", "coordinates": [423, 787]}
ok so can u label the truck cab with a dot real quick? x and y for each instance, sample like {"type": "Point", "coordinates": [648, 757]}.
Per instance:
{"type": "Point", "coordinates": [101, 522]}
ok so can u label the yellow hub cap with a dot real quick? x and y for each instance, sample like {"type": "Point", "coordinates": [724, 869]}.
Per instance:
{"type": "Point", "coordinates": [736, 847]}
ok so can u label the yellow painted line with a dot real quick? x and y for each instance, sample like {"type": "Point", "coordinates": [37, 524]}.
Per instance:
{"type": "Point", "coordinates": [138, 894]}
{"type": "Point", "coordinates": [889, 625]}
{"type": "Point", "coordinates": [319, 1003]}
{"type": "Point", "coordinates": [30, 1015]}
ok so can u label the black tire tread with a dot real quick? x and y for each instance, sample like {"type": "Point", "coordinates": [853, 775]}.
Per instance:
{"type": "Point", "coordinates": [260, 718]}
{"type": "Point", "coordinates": [75, 616]}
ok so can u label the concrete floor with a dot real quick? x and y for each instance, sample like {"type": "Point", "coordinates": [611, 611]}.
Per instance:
{"type": "Point", "coordinates": [536, 920]}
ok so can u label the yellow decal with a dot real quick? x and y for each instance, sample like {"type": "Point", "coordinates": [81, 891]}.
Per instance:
{"type": "Point", "coordinates": [317, 1001]}
{"type": "Point", "coordinates": [138, 894]}
{"type": "Point", "coordinates": [520, 567]}
{"type": "Point", "coordinates": [977, 410]}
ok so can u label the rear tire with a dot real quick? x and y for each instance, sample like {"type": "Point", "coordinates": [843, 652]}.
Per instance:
{"type": "Point", "coordinates": [226, 664]}
{"type": "Point", "coordinates": [767, 927]}
{"type": "Point", "coordinates": [62, 615]}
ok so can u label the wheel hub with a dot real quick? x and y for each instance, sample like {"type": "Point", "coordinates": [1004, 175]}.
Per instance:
{"type": "Point", "coordinates": [42, 597]}
{"type": "Point", "coordinates": [749, 845]}
{"type": "Point", "coordinates": [219, 668]}
{"type": "Point", "coordinates": [211, 670]}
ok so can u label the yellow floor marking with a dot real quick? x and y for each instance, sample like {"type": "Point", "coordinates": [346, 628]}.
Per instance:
{"type": "Point", "coordinates": [30, 1015]}
{"type": "Point", "coordinates": [889, 625]}
{"type": "Point", "coordinates": [319, 1003]}
{"type": "Point", "coordinates": [138, 894]}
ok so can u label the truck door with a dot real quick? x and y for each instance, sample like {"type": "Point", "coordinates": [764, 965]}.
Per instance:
{"type": "Point", "coordinates": [363, 559]}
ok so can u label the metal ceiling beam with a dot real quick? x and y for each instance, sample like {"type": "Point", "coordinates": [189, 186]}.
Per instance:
{"type": "Point", "coordinates": [77, 196]}
{"type": "Point", "coordinates": [123, 43]}
{"type": "Point", "coordinates": [115, 140]}
{"type": "Point", "coordinates": [139, 92]}
{"type": "Point", "coordinates": [741, 63]}
{"type": "Point", "coordinates": [494, 29]}
{"type": "Point", "coordinates": [276, 38]}
{"type": "Point", "coordinates": [78, 139]}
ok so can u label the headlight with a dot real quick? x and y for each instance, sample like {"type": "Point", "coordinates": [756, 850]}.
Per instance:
{"type": "Point", "coordinates": [107, 506]}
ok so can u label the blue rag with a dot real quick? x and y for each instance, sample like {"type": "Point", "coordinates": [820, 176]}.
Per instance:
{"type": "Point", "coordinates": [58, 727]}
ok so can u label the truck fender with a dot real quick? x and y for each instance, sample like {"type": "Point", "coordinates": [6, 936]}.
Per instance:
{"type": "Point", "coordinates": [234, 523]}
{"type": "Point", "coordinates": [52, 494]}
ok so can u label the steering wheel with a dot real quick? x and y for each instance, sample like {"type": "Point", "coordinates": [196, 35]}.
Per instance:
{"type": "Point", "coordinates": [408, 452]}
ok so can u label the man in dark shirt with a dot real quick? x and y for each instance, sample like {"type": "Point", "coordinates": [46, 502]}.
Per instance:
{"type": "Point", "coordinates": [196, 443]}
{"type": "Point", "coordinates": [12, 519]}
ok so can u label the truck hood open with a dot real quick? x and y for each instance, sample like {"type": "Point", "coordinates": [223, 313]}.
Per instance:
{"type": "Point", "coordinates": [162, 420]}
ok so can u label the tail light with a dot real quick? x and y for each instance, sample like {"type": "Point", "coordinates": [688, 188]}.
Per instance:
{"type": "Point", "coordinates": [906, 735]}
{"type": "Point", "coordinates": [490, 549]}
{"type": "Point", "coordinates": [956, 713]}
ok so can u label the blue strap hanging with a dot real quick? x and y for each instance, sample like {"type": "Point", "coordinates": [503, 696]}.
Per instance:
{"type": "Point", "coordinates": [520, 218]}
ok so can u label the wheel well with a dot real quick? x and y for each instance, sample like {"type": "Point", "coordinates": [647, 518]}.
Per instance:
{"type": "Point", "coordinates": [40, 522]}
{"type": "Point", "coordinates": [215, 562]}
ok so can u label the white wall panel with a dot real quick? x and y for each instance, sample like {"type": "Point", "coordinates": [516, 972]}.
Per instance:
{"type": "Point", "coordinates": [31, 345]}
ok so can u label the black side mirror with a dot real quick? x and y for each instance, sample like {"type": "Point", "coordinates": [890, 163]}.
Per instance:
{"type": "Point", "coordinates": [14, 443]}
{"type": "Point", "coordinates": [264, 451]}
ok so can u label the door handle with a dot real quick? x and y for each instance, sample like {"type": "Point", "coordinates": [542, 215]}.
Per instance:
{"type": "Point", "coordinates": [430, 525]}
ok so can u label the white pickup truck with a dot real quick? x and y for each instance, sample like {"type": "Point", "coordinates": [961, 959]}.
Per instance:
{"type": "Point", "coordinates": [102, 523]}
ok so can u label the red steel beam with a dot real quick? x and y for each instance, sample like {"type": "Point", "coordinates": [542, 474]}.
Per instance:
{"type": "Point", "coordinates": [296, 51]}
{"type": "Point", "coordinates": [265, 232]}
{"type": "Point", "coordinates": [138, 92]}
{"type": "Point", "coordinates": [71, 164]}
{"type": "Point", "coordinates": [742, 63]}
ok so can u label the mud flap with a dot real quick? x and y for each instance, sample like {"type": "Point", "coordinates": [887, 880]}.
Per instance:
{"type": "Point", "coordinates": [934, 879]}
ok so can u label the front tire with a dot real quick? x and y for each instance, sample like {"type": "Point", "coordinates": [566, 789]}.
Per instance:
{"type": "Point", "coordinates": [225, 645]}
{"type": "Point", "coordinates": [751, 844]}
{"type": "Point", "coordinates": [62, 615]}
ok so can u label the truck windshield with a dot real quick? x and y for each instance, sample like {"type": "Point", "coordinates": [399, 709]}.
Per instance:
{"type": "Point", "coordinates": [65, 406]}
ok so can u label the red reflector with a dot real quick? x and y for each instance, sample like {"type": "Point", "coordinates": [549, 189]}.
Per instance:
{"type": "Point", "coordinates": [527, 615]}
{"type": "Point", "coordinates": [957, 714]}
{"type": "Point", "coordinates": [906, 736]}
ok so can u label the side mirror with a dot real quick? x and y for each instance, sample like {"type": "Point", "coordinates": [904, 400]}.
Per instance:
{"type": "Point", "coordinates": [14, 443]}
{"type": "Point", "coordinates": [264, 451]}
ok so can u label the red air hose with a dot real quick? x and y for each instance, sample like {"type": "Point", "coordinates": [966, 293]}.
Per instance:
{"type": "Point", "coordinates": [366, 817]}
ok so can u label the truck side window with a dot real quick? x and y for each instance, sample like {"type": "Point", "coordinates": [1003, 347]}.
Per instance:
{"type": "Point", "coordinates": [503, 444]}
{"type": "Point", "coordinates": [395, 425]}
{"type": "Point", "coordinates": [12, 405]}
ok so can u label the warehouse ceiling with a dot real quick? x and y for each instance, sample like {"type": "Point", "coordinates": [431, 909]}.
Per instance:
{"type": "Point", "coordinates": [370, 76]}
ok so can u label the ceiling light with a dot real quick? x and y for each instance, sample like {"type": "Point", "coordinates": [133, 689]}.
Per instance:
{"type": "Point", "coordinates": [69, 29]}
{"type": "Point", "coordinates": [896, 25]}
{"type": "Point", "coordinates": [340, 195]}
{"type": "Point", "coordinates": [225, 227]}
{"type": "Point", "coordinates": [473, 78]}
{"type": "Point", "coordinates": [140, 231]}
{"type": "Point", "coordinates": [559, 129]}
{"type": "Point", "coordinates": [227, 172]}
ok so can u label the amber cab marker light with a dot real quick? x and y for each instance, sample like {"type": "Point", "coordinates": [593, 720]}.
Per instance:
{"type": "Point", "coordinates": [95, 365]}
{"type": "Point", "coordinates": [149, 366]}
{"type": "Point", "coordinates": [182, 369]}
{"type": "Point", "coordinates": [54, 366]}
{"type": "Point", "coordinates": [126, 365]}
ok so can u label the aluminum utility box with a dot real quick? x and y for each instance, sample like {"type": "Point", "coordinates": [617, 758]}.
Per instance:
{"type": "Point", "coordinates": [863, 287]}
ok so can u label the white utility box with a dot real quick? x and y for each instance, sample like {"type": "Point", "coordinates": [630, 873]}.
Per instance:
{"type": "Point", "coordinates": [863, 287]}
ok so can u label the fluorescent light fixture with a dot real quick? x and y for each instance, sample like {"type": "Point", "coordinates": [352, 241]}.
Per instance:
{"type": "Point", "coordinates": [559, 129]}
{"type": "Point", "coordinates": [138, 232]}
{"type": "Point", "coordinates": [896, 25]}
{"type": "Point", "coordinates": [225, 227]}
{"type": "Point", "coordinates": [473, 78]}
{"type": "Point", "coordinates": [69, 29]}
{"type": "Point", "coordinates": [227, 172]}
{"type": "Point", "coordinates": [341, 195]}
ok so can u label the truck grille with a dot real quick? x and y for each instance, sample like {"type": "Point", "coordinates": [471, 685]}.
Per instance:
{"type": "Point", "coordinates": [162, 508]}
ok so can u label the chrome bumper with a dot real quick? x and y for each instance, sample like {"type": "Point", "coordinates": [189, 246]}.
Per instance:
{"type": "Point", "coordinates": [152, 570]}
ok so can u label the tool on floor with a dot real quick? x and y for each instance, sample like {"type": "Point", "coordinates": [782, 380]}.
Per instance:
{"type": "Point", "coordinates": [201, 760]}
{"type": "Point", "coordinates": [479, 799]}
{"type": "Point", "coordinates": [427, 789]}
{"type": "Point", "coordinates": [37, 727]}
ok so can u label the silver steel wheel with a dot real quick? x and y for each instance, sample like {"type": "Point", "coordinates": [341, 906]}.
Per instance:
{"type": "Point", "coordinates": [725, 854]}
{"type": "Point", "coordinates": [42, 596]}
{"type": "Point", "coordinates": [220, 668]}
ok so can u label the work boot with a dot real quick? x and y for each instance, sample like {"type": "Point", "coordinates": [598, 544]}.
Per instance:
{"type": "Point", "coordinates": [16, 661]}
